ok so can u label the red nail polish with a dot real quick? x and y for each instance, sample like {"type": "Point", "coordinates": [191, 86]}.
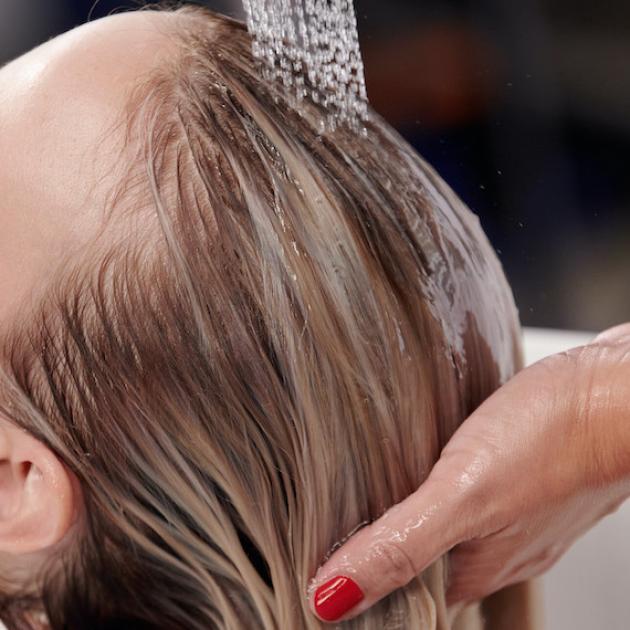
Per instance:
{"type": "Point", "coordinates": [336, 597]}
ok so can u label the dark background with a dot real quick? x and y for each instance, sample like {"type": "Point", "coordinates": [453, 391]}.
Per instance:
{"type": "Point", "coordinates": [522, 105]}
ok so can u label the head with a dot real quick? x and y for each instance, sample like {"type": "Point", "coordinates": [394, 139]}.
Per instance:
{"type": "Point", "coordinates": [227, 341]}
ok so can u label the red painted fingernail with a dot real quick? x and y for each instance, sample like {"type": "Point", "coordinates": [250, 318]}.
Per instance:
{"type": "Point", "coordinates": [336, 597]}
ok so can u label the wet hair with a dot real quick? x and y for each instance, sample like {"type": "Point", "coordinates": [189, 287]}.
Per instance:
{"type": "Point", "coordinates": [273, 351]}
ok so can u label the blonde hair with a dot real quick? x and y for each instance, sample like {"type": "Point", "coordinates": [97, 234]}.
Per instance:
{"type": "Point", "coordinates": [275, 355]}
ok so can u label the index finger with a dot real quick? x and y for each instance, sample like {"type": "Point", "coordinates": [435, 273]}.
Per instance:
{"type": "Point", "coordinates": [389, 552]}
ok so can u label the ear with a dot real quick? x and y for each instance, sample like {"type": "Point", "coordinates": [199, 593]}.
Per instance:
{"type": "Point", "coordinates": [38, 494]}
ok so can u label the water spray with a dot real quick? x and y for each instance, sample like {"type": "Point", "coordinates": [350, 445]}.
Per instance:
{"type": "Point", "coordinates": [312, 48]}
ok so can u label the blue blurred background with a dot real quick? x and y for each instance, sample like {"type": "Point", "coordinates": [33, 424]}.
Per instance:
{"type": "Point", "coordinates": [522, 105]}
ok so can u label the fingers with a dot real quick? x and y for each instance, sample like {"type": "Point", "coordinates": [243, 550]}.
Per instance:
{"type": "Point", "coordinates": [475, 570]}
{"type": "Point", "coordinates": [475, 576]}
{"type": "Point", "coordinates": [388, 553]}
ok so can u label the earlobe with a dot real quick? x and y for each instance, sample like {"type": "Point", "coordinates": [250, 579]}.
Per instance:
{"type": "Point", "coordinates": [37, 493]}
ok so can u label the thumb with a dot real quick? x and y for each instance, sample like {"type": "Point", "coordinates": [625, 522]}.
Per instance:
{"type": "Point", "coordinates": [391, 551]}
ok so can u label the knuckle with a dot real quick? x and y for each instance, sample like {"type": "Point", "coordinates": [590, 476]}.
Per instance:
{"type": "Point", "coordinates": [616, 334]}
{"type": "Point", "coordinates": [480, 513]}
{"type": "Point", "coordinates": [397, 565]}
{"type": "Point", "coordinates": [545, 566]}
{"type": "Point", "coordinates": [535, 566]}
{"type": "Point", "coordinates": [547, 559]}
{"type": "Point", "coordinates": [476, 500]}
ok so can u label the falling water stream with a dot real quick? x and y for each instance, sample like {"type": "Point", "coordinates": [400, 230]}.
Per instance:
{"type": "Point", "coordinates": [312, 48]}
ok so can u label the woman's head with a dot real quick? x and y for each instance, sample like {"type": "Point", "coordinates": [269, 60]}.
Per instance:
{"type": "Point", "coordinates": [227, 342]}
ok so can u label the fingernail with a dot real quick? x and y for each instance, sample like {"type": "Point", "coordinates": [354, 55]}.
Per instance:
{"type": "Point", "coordinates": [336, 597]}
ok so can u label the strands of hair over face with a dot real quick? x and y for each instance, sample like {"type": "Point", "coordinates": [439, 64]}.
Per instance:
{"type": "Point", "coordinates": [259, 365]}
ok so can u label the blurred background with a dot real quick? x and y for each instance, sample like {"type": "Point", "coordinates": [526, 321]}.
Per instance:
{"type": "Point", "coordinates": [523, 106]}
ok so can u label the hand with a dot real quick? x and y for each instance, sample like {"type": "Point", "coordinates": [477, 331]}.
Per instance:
{"type": "Point", "coordinates": [531, 470]}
